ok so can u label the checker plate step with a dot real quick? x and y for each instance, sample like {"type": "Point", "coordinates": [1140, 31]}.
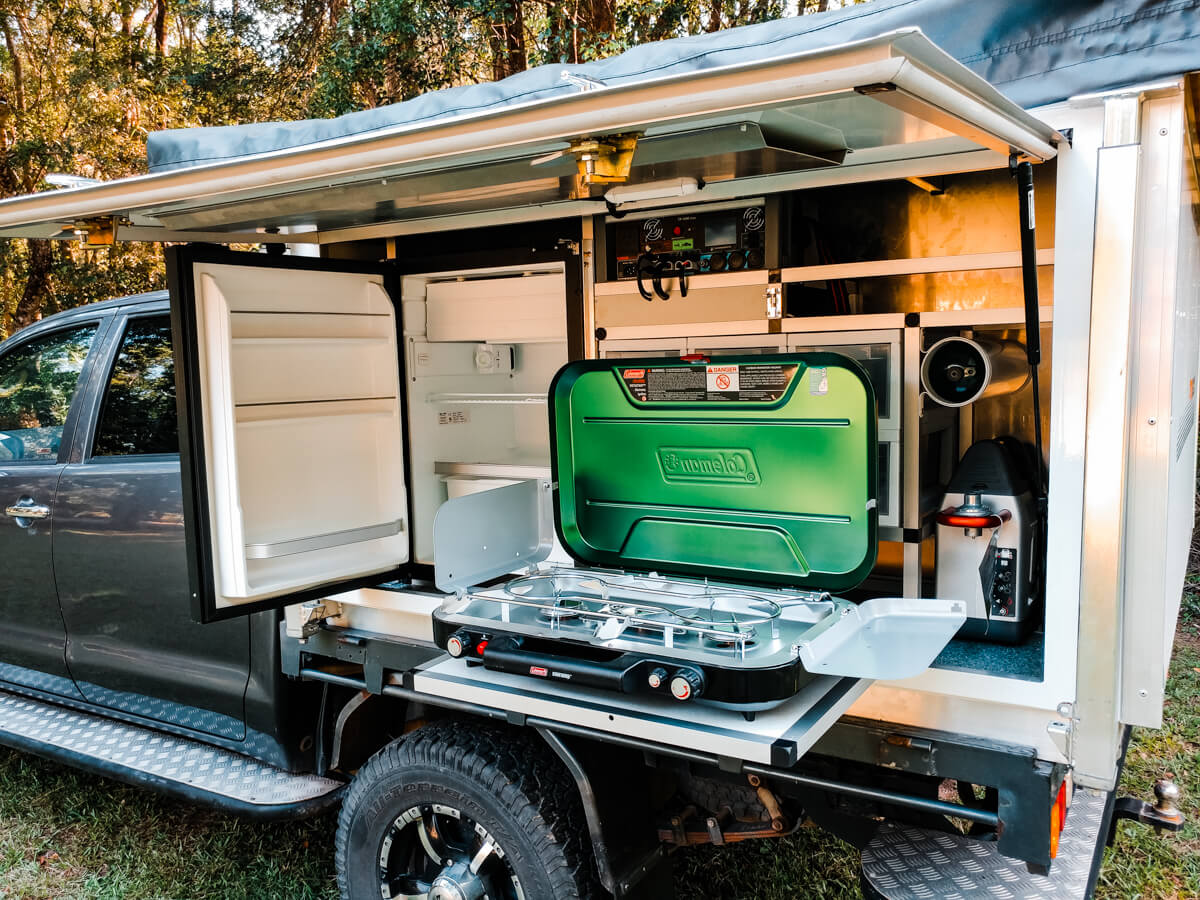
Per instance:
{"type": "Point", "coordinates": [903, 863]}
{"type": "Point", "coordinates": [169, 763]}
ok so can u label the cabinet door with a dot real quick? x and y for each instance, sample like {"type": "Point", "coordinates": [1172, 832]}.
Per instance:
{"type": "Point", "coordinates": [291, 427]}
{"type": "Point", "coordinates": [39, 378]}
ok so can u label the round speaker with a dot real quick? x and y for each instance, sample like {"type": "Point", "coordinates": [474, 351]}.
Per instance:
{"type": "Point", "coordinates": [957, 371]}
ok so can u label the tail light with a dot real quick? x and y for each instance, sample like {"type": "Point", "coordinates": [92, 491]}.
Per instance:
{"type": "Point", "coordinates": [1058, 818]}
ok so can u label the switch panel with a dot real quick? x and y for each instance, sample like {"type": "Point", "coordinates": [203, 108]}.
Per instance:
{"type": "Point", "coordinates": [1004, 583]}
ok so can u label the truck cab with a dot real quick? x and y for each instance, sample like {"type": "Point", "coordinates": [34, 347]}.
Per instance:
{"type": "Point", "coordinates": [96, 587]}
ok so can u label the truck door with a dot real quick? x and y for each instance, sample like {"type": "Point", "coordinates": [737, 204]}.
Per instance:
{"type": "Point", "coordinates": [119, 552]}
{"type": "Point", "coordinates": [39, 378]}
{"type": "Point", "coordinates": [291, 427]}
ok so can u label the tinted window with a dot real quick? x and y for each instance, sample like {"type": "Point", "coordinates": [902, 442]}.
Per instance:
{"type": "Point", "coordinates": [37, 382]}
{"type": "Point", "coordinates": [138, 415]}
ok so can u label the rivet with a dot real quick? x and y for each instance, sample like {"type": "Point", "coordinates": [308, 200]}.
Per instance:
{"type": "Point", "coordinates": [1152, 421]}
{"type": "Point", "coordinates": [1162, 131]}
{"type": "Point", "coordinates": [1143, 693]}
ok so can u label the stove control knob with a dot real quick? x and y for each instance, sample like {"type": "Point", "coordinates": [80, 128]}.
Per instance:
{"type": "Point", "coordinates": [657, 677]}
{"type": "Point", "coordinates": [458, 643]}
{"type": "Point", "coordinates": [687, 684]}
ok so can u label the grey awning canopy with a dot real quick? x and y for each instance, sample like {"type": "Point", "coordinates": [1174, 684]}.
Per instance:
{"type": "Point", "coordinates": [1035, 52]}
{"type": "Point", "coordinates": [858, 90]}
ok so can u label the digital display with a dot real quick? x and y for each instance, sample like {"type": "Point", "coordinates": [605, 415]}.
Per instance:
{"type": "Point", "coordinates": [720, 232]}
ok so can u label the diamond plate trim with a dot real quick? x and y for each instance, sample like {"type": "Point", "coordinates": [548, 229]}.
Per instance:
{"type": "Point", "coordinates": [904, 863]}
{"type": "Point", "coordinates": [160, 756]}
{"type": "Point", "coordinates": [38, 681]}
{"type": "Point", "coordinates": [161, 710]}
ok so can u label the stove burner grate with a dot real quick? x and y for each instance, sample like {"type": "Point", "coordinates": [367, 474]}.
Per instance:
{"type": "Point", "coordinates": [660, 610]}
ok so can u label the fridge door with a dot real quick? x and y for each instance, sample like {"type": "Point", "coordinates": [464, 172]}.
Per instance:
{"type": "Point", "coordinates": [291, 427]}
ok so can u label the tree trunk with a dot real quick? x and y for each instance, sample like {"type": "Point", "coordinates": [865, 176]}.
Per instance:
{"type": "Point", "coordinates": [37, 286]}
{"type": "Point", "coordinates": [598, 19]}
{"type": "Point", "coordinates": [160, 29]}
{"type": "Point", "coordinates": [508, 40]}
{"type": "Point", "coordinates": [714, 16]}
{"type": "Point", "coordinates": [17, 68]}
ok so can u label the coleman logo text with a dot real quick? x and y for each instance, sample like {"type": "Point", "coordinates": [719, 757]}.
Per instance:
{"type": "Point", "coordinates": [715, 465]}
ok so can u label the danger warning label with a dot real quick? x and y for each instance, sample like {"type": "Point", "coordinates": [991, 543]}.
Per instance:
{"type": "Point", "coordinates": [723, 378]}
{"type": "Point", "coordinates": [709, 383]}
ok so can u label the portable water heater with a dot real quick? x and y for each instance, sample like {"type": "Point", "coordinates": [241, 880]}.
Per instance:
{"type": "Point", "coordinates": [987, 539]}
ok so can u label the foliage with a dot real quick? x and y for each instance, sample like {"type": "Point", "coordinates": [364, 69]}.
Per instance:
{"type": "Point", "coordinates": [82, 82]}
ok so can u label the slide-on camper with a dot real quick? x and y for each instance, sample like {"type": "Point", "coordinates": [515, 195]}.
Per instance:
{"type": "Point", "coordinates": [794, 422]}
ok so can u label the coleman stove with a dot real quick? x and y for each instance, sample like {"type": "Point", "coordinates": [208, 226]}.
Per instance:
{"type": "Point", "coordinates": [711, 509]}
{"type": "Point", "coordinates": [985, 544]}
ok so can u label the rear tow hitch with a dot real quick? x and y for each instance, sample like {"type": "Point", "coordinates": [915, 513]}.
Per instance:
{"type": "Point", "coordinates": [1162, 814]}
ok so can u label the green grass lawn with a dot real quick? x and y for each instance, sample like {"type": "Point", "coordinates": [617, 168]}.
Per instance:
{"type": "Point", "coordinates": [63, 834]}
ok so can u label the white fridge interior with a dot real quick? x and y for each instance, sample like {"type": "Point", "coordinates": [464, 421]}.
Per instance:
{"type": "Point", "coordinates": [481, 348]}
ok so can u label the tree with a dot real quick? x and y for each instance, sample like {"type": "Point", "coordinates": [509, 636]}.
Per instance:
{"type": "Point", "coordinates": [82, 82]}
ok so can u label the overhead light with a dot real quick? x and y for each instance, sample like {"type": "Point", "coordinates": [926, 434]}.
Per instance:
{"type": "Point", "coordinates": [652, 190]}
{"type": "Point", "coordinates": [61, 179]}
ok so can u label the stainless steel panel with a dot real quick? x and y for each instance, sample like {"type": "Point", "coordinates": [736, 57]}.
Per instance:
{"type": "Point", "coordinates": [798, 723]}
{"type": "Point", "coordinates": [484, 535]}
{"type": "Point", "coordinates": [1098, 678]}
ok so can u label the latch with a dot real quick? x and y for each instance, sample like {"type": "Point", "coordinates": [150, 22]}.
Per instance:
{"type": "Point", "coordinates": [314, 613]}
{"type": "Point", "coordinates": [1062, 731]}
{"type": "Point", "coordinates": [774, 298]}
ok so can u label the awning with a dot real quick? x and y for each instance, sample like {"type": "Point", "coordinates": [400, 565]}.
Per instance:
{"type": "Point", "coordinates": [882, 100]}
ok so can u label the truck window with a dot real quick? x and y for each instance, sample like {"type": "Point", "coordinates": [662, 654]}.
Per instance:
{"type": "Point", "coordinates": [37, 383]}
{"type": "Point", "coordinates": [138, 413]}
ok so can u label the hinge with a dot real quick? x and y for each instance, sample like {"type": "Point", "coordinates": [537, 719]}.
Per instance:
{"type": "Point", "coordinates": [100, 231]}
{"type": "Point", "coordinates": [605, 160]}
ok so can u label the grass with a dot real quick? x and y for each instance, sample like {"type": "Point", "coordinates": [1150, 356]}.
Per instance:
{"type": "Point", "coordinates": [64, 834]}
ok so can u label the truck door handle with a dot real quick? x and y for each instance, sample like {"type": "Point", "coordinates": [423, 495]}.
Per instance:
{"type": "Point", "coordinates": [27, 510]}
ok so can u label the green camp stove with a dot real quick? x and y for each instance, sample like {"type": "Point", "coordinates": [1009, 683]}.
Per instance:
{"type": "Point", "coordinates": [711, 508]}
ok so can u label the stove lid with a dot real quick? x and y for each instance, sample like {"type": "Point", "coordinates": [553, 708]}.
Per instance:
{"type": "Point", "coordinates": [742, 468]}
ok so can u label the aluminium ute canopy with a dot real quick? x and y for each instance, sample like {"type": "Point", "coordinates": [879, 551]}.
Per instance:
{"type": "Point", "coordinates": [872, 105]}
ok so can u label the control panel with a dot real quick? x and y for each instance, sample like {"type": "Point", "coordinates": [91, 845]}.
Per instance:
{"type": "Point", "coordinates": [1004, 579]}
{"type": "Point", "coordinates": [724, 240]}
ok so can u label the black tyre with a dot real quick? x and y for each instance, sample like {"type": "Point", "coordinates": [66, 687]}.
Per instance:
{"type": "Point", "coordinates": [464, 810]}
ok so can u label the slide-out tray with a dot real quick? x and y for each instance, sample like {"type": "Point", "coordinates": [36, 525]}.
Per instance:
{"type": "Point", "coordinates": [777, 737]}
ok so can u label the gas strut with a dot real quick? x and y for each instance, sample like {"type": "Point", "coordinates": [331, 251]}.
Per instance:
{"type": "Point", "coordinates": [1033, 326]}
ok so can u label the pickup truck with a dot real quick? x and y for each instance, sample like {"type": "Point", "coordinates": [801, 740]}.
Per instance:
{"type": "Point", "coordinates": [103, 667]}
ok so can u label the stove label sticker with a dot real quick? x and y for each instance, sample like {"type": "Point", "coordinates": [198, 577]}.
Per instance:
{"type": "Point", "coordinates": [708, 465]}
{"type": "Point", "coordinates": [723, 379]}
{"type": "Point", "coordinates": [755, 382]}
{"type": "Point", "coordinates": [818, 381]}
{"type": "Point", "coordinates": [539, 671]}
